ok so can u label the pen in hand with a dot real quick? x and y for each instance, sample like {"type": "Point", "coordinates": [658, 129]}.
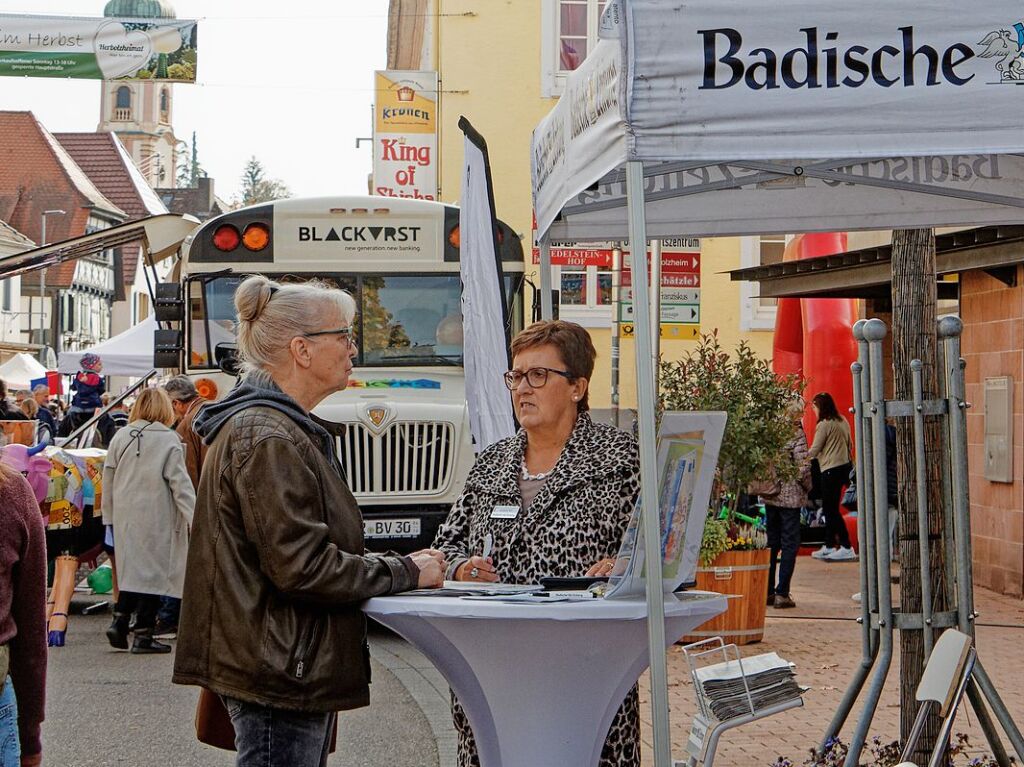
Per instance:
{"type": "Point", "coordinates": [488, 545]}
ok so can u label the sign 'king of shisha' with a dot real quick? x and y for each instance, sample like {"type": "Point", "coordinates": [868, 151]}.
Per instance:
{"type": "Point", "coordinates": [405, 135]}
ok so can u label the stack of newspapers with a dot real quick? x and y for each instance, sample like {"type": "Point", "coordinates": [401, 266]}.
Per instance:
{"type": "Point", "coordinates": [767, 678]}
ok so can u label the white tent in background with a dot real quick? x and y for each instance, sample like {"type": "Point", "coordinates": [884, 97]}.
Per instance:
{"type": "Point", "coordinates": [20, 370]}
{"type": "Point", "coordinates": [127, 354]}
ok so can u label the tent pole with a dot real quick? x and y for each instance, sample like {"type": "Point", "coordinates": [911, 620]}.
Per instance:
{"type": "Point", "coordinates": [546, 309]}
{"type": "Point", "coordinates": [651, 526]}
{"type": "Point", "coordinates": [656, 309]}
{"type": "Point", "coordinates": [616, 330]}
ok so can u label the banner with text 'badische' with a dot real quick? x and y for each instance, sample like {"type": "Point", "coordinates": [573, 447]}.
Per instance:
{"type": "Point", "coordinates": [714, 80]}
{"type": "Point", "coordinates": [98, 48]}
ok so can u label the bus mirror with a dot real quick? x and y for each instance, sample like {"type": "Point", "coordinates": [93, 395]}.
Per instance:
{"type": "Point", "coordinates": [169, 306]}
{"type": "Point", "coordinates": [167, 348]}
{"type": "Point", "coordinates": [226, 356]}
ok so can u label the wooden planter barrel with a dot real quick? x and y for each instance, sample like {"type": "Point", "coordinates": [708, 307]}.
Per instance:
{"type": "Point", "coordinates": [744, 573]}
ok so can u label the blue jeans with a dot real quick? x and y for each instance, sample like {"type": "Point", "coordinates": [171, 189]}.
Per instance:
{"type": "Point", "coordinates": [274, 737]}
{"type": "Point", "coordinates": [170, 609]}
{"type": "Point", "coordinates": [10, 748]}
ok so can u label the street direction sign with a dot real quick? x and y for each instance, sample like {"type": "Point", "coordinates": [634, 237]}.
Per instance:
{"type": "Point", "coordinates": [668, 295]}
{"type": "Point", "coordinates": [687, 313]}
{"type": "Point", "coordinates": [674, 331]}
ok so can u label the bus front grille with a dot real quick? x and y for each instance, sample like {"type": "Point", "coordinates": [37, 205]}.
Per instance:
{"type": "Point", "coordinates": [407, 458]}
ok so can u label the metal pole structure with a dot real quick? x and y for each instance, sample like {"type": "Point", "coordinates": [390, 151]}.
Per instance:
{"type": "Point", "coordinates": [874, 332]}
{"type": "Point", "coordinates": [949, 331]}
{"type": "Point", "coordinates": [546, 309]}
{"type": "Point", "coordinates": [865, 534]}
{"type": "Point", "coordinates": [651, 519]}
{"type": "Point", "coordinates": [616, 330]}
{"type": "Point", "coordinates": [921, 477]}
{"type": "Point", "coordinates": [656, 309]}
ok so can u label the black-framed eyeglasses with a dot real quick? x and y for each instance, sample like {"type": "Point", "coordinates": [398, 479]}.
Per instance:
{"type": "Point", "coordinates": [536, 377]}
{"type": "Point", "coordinates": [347, 333]}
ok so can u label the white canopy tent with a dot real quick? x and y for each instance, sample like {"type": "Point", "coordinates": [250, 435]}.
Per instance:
{"type": "Point", "coordinates": [127, 354]}
{"type": "Point", "coordinates": [684, 119]}
{"type": "Point", "coordinates": [20, 370]}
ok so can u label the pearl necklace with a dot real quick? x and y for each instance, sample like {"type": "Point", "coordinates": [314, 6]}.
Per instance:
{"type": "Point", "coordinates": [528, 476]}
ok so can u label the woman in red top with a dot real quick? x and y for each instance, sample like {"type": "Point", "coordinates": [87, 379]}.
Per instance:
{"type": "Point", "coordinates": [22, 621]}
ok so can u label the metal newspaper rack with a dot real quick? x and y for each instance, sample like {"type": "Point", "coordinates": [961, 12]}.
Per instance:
{"type": "Point", "coordinates": [878, 616]}
{"type": "Point", "coordinates": [707, 728]}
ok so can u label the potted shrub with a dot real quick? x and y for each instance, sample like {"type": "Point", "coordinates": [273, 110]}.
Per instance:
{"type": "Point", "coordinates": [734, 554]}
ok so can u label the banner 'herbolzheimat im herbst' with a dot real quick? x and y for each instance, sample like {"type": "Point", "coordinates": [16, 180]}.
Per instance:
{"type": "Point", "coordinates": [98, 48]}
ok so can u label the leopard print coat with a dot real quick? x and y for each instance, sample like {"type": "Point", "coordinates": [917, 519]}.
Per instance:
{"type": "Point", "coordinates": [577, 518]}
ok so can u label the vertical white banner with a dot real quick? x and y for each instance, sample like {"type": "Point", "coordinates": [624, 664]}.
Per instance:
{"type": "Point", "coordinates": [483, 303]}
{"type": "Point", "coordinates": [405, 135]}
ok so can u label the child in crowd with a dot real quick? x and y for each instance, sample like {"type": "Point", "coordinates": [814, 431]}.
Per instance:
{"type": "Point", "coordinates": [88, 385]}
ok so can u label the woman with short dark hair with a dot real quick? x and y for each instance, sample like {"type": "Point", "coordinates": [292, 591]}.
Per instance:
{"type": "Point", "coordinates": [572, 484]}
{"type": "Point", "coordinates": [833, 448]}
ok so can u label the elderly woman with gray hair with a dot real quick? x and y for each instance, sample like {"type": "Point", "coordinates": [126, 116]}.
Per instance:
{"type": "Point", "coordinates": [277, 569]}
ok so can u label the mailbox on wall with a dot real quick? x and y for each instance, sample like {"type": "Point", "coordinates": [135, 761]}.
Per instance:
{"type": "Point", "coordinates": [999, 429]}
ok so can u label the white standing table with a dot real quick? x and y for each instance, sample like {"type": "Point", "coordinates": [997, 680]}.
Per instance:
{"type": "Point", "coordinates": [540, 683]}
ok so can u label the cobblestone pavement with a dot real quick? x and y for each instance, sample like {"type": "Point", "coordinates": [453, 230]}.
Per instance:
{"type": "Point", "coordinates": [822, 638]}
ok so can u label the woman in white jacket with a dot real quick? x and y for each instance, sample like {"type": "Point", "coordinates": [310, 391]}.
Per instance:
{"type": "Point", "coordinates": [148, 498]}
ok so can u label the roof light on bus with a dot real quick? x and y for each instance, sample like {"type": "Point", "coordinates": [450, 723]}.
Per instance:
{"type": "Point", "coordinates": [226, 237]}
{"type": "Point", "coordinates": [256, 236]}
{"type": "Point", "coordinates": [381, 211]}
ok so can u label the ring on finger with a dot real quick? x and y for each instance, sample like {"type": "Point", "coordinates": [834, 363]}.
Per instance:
{"type": "Point", "coordinates": [475, 572]}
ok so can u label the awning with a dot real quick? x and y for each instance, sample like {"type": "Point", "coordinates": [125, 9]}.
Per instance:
{"type": "Point", "coordinates": [20, 370]}
{"type": "Point", "coordinates": [162, 236]}
{"type": "Point", "coordinates": [867, 273]}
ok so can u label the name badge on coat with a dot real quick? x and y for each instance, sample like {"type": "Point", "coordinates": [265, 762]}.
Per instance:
{"type": "Point", "coordinates": [505, 512]}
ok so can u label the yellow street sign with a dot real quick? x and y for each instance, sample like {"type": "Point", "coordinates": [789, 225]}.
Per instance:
{"type": "Point", "coordinates": [679, 331]}
{"type": "Point", "coordinates": [627, 329]}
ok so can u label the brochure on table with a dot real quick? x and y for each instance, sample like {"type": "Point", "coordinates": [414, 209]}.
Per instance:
{"type": "Point", "coordinates": [688, 445]}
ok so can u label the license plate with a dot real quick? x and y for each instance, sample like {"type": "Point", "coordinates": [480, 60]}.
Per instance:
{"type": "Point", "coordinates": [391, 528]}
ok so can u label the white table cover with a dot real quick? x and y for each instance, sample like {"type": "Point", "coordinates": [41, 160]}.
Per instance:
{"type": "Point", "coordinates": [540, 683]}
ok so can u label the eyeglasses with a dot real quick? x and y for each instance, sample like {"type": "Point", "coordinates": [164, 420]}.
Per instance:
{"type": "Point", "coordinates": [347, 333]}
{"type": "Point", "coordinates": [536, 377]}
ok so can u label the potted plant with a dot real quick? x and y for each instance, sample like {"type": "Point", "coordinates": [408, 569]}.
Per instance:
{"type": "Point", "coordinates": [734, 555]}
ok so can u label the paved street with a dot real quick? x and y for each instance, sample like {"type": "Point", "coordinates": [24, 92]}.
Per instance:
{"type": "Point", "coordinates": [110, 708]}
{"type": "Point", "coordinates": [823, 639]}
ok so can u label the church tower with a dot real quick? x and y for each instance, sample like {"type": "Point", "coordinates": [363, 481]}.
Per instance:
{"type": "Point", "coordinates": [139, 111]}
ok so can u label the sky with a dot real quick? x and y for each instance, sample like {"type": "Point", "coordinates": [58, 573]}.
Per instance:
{"type": "Point", "coordinates": [289, 82]}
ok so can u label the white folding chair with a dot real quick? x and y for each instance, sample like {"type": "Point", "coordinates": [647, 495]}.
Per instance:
{"type": "Point", "coordinates": [943, 683]}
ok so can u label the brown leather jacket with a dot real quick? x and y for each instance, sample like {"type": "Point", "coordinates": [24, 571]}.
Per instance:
{"type": "Point", "coordinates": [277, 571]}
{"type": "Point", "coordinates": [195, 448]}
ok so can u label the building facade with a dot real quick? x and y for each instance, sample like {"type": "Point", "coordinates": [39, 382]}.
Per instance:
{"type": "Point", "coordinates": [502, 66]}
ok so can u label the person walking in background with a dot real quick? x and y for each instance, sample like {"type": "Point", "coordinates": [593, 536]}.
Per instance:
{"type": "Point", "coordinates": [278, 567]}
{"type": "Point", "coordinates": [41, 394]}
{"type": "Point", "coordinates": [22, 622]}
{"type": "Point", "coordinates": [9, 412]}
{"type": "Point", "coordinates": [782, 517]}
{"type": "Point", "coordinates": [186, 402]}
{"type": "Point", "coordinates": [149, 501]}
{"type": "Point", "coordinates": [832, 447]}
{"type": "Point", "coordinates": [112, 421]}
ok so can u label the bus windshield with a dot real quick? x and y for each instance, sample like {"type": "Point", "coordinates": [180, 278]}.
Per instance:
{"type": "Point", "coordinates": [402, 319]}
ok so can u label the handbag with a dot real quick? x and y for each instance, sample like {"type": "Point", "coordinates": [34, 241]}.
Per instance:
{"type": "Point", "coordinates": [213, 723]}
{"type": "Point", "coordinates": [849, 500]}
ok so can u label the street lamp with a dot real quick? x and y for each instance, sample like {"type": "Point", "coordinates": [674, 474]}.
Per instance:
{"type": "Point", "coordinates": [42, 278]}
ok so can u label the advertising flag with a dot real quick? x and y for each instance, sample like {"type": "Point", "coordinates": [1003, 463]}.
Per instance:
{"type": "Point", "coordinates": [483, 300]}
